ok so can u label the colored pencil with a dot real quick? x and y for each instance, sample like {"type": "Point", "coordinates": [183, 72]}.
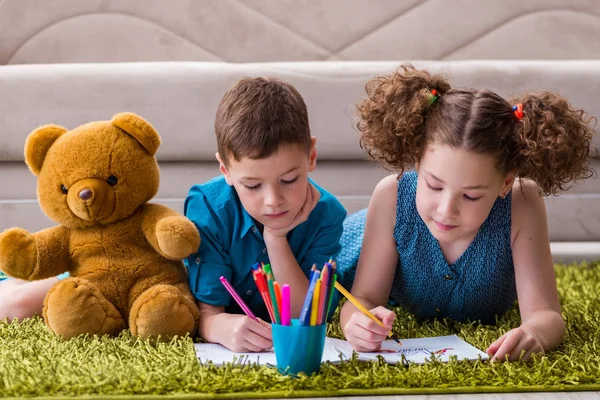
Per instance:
{"type": "Point", "coordinates": [358, 305]}
{"type": "Point", "coordinates": [315, 304]}
{"type": "Point", "coordinates": [261, 285]}
{"type": "Point", "coordinates": [273, 296]}
{"type": "Point", "coordinates": [237, 298]}
{"type": "Point", "coordinates": [306, 307]}
{"type": "Point", "coordinates": [277, 294]}
{"type": "Point", "coordinates": [323, 292]}
{"type": "Point", "coordinates": [286, 313]}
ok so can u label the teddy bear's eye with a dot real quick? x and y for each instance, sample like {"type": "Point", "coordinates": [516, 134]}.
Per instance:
{"type": "Point", "coordinates": [112, 180]}
{"type": "Point", "coordinates": [64, 189]}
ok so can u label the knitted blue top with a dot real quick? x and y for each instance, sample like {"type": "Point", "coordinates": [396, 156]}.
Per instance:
{"type": "Point", "coordinates": [480, 285]}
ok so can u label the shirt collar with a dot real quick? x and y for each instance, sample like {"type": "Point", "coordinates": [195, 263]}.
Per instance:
{"type": "Point", "coordinates": [247, 223]}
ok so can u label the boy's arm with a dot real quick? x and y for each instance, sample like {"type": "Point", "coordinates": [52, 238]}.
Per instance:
{"type": "Point", "coordinates": [323, 247]}
{"type": "Point", "coordinates": [236, 332]}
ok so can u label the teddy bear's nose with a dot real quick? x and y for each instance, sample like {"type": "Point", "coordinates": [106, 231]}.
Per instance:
{"type": "Point", "coordinates": [85, 194]}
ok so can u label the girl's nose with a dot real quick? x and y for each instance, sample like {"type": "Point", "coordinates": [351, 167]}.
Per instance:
{"type": "Point", "coordinates": [448, 207]}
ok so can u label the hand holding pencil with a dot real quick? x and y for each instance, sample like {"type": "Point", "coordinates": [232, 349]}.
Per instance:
{"type": "Point", "coordinates": [356, 328]}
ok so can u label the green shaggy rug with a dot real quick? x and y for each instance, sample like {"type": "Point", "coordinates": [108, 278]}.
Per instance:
{"type": "Point", "coordinates": [35, 363]}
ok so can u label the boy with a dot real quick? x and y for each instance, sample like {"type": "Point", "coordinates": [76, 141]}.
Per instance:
{"type": "Point", "coordinates": [262, 209]}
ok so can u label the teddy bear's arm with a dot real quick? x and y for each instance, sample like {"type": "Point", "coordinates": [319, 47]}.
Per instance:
{"type": "Point", "coordinates": [171, 234]}
{"type": "Point", "coordinates": [35, 256]}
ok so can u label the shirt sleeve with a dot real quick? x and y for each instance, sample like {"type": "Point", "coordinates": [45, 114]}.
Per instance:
{"type": "Point", "coordinates": [325, 246]}
{"type": "Point", "coordinates": [212, 260]}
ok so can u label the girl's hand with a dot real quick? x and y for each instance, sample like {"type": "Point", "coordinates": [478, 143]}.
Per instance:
{"type": "Point", "coordinates": [312, 198]}
{"type": "Point", "coordinates": [247, 335]}
{"type": "Point", "coordinates": [366, 335]}
{"type": "Point", "coordinates": [514, 343]}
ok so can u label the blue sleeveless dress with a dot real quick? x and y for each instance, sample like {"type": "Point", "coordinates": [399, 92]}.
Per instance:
{"type": "Point", "coordinates": [480, 285]}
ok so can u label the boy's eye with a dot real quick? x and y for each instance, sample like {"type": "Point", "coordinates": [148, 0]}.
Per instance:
{"type": "Point", "coordinates": [472, 198]}
{"type": "Point", "coordinates": [289, 182]}
{"type": "Point", "coordinates": [253, 187]}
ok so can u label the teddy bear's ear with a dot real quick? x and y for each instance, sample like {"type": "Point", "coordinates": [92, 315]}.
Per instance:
{"type": "Point", "coordinates": [140, 129]}
{"type": "Point", "coordinates": [38, 143]}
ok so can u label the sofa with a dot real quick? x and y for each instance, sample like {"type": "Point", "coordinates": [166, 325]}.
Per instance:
{"type": "Point", "coordinates": [180, 99]}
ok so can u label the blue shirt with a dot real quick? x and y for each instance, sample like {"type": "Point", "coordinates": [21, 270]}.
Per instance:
{"type": "Point", "coordinates": [479, 285]}
{"type": "Point", "coordinates": [230, 243]}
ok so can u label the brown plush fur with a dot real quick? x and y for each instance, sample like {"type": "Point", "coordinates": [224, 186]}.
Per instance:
{"type": "Point", "coordinates": [124, 255]}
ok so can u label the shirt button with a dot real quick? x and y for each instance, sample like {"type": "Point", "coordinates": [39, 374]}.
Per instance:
{"type": "Point", "coordinates": [254, 229]}
{"type": "Point", "coordinates": [198, 260]}
{"type": "Point", "coordinates": [448, 277]}
{"type": "Point", "coordinates": [265, 250]}
{"type": "Point", "coordinates": [249, 292]}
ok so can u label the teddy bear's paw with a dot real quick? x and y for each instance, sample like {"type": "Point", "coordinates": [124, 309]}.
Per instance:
{"type": "Point", "coordinates": [75, 306]}
{"type": "Point", "coordinates": [18, 253]}
{"type": "Point", "coordinates": [177, 237]}
{"type": "Point", "coordinates": [163, 311]}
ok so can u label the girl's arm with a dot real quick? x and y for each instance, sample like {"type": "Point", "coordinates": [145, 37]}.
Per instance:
{"type": "Point", "coordinates": [542, 326]}
{"type": "Point", "coordinates": [375, 270]}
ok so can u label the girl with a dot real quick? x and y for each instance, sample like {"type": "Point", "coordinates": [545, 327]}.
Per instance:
{"type": "Point", "coordinates": [465, 234]}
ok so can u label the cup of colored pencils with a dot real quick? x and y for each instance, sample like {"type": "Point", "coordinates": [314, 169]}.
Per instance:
{"type": "Point", "coordinates": [298, 342]}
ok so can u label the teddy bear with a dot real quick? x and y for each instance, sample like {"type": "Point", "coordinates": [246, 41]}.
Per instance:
{"type": "Point", "coordinates": [124, 255]}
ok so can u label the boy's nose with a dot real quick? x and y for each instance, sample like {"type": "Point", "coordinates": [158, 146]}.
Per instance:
{"type": "Point", "coordinates": [273, 198]}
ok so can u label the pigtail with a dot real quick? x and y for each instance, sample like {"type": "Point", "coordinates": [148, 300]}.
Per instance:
{"type": "Point", "coordinates": [392, 118]}
{"type": "Point", "coordinates": [553, 140]}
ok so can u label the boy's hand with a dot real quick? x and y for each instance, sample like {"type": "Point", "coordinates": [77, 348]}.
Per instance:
{"type": "Point", "coordinates": [366, 335]}
{"type": "Point", "coordinates": [247, 335]}
{"type": "Point", "coordinates": [517, 344]}
{"type": "Point", "coordinates": [312, 198]}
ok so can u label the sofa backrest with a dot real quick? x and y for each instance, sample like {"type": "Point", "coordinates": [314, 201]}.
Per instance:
{"type": "Point", "coordinates": [180, 100]}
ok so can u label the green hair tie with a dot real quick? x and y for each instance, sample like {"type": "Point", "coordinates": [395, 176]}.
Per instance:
{"type": "Point", "coordinates": [434, 96]}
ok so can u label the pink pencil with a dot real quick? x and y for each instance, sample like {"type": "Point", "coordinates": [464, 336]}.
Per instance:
{"type": "Point", "coordinates": [237, 298]}
{"type": "Point", "coordinates": [285, 305]}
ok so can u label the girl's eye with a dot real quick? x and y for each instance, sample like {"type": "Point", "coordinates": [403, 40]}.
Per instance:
{"type": "Point", "coordinates": [433, 188]}
{"type": "Point", "coordinates": [290, 181]}
{"type": "Point", "coordinates": [252, 187]}
{"type": "Point", "coordinates": [472, 198]}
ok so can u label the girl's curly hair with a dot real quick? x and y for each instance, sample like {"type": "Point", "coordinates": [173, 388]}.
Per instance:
{"type": "Point", "coordinates": [550, 144]}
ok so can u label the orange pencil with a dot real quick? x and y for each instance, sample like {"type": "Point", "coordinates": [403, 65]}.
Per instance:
{"type": "Point", "coordinates": [277, 294]}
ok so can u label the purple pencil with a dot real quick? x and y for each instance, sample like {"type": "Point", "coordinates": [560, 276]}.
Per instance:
{"type": "Point", "coordinates": [237, 298]}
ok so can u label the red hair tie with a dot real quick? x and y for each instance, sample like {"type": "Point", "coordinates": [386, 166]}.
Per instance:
{"type": "Point", "coordinates": [518, 110]}
{"type": "Point", "coordinates": [434, 96]}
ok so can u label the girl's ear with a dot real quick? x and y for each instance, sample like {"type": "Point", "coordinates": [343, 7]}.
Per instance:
{"type": "Point", "coordinates": [223, 169]}
{"type": "Point", "coordinates": [509, 181]}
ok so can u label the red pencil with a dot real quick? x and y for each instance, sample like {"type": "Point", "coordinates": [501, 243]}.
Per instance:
{"type": "Point", "coordinates": [261, 285]}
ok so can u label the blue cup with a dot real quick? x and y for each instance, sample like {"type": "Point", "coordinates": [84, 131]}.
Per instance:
{"type": "Point", "coordinates": [298, 348]}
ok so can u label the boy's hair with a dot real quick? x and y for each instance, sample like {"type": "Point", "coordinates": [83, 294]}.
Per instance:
{"type": "Point", "coordinates": [550, 144]}
{"type": "Point", "coordinates": [257, 115]}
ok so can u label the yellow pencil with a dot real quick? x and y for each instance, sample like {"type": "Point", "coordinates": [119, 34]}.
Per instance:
{"type": "Point", "coordinates": [315, 304]}
{"type": "Point", "coordinates": [362, 308]}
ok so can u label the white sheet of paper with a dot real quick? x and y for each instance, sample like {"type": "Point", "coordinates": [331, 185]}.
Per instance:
{"type": "Point", "coordinates": [419, 350]}
{"type": "Point", "coordinates": [415, 350]}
